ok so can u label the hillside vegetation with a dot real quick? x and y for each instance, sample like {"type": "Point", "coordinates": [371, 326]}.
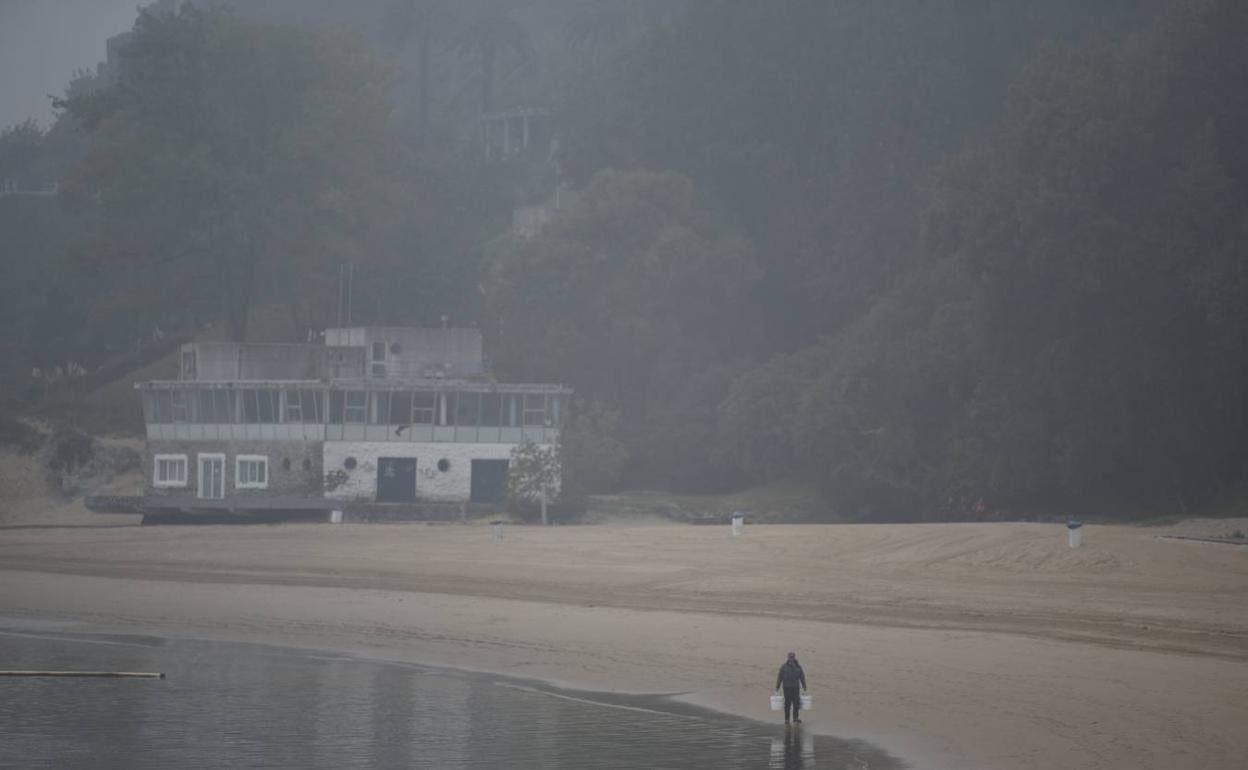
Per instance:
{"type": "Point", "coordinates": [938, 260]}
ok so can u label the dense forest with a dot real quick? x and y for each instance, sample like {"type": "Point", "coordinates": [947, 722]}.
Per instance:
{"type": "Point", "coordinates": [942, 260]}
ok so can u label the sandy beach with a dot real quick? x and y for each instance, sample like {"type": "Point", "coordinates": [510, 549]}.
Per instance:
{"type": "Point", "coordinates": [950, 645]}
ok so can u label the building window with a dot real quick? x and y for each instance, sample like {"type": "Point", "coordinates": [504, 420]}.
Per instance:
{"type": "Point", "coordinates": [424, 407]}
{"type": "Point", "coordinates": [356, 410]}
{"type": "Point", "coordinates": [294, 408]}
{"type": "Point", "coordinates": [491, 412]}
{"type": "Point", "coordinates": [467, 408]}
{"type": "Point", "coordinates": [380, 413]}
{"type": "Point", "coordinates": [259, 406]}
{"type": "Point", "coordinates": [169, 471]}
{"type": "Point", "coordinates": [400, 408]}
{"type": "Point", "coordinates": [180, 412]}
{"type": "Point", "coordinates": [379, 359]}
{"type": "Point", "coordinates": [251, 472]}
{"type": "Point", "coordinates": [534, 410]}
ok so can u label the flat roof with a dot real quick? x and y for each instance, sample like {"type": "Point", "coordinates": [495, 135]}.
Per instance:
{"type": "Point", "coordinates": [428, 384]}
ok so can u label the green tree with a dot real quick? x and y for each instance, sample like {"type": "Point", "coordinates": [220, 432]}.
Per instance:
{"type": "Point", "coordinates": [226, 148]}
{"type": "Point", "coordinates": [1074, 338]}
{"type": "Point", "coordinates": [423, 22]}
{"type": "Point", "coordinates": [592, 457]}
{"type": "Point", "coordinates": [635, 295]}
{"type": "Point", "coordinates": [533, 476]}
{"type": "Point", "coordinates": [491, 32]}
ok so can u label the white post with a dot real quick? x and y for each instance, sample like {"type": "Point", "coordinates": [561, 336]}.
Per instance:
{"type": "Point", "coordinates": [738, 524]}
{"type": "Point", "coordinates": [1074, 533]}
{"type": "Point", "coordinates": [335, 517]}
{"type": "Point", "coordinates": [543, 498]}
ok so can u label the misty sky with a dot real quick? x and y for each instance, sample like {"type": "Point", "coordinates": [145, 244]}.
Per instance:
{"type": "Point", "coordinates": [42, 42]}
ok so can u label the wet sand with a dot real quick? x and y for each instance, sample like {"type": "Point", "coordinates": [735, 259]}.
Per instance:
{"type": "Point", "coordinates": [955, 646]}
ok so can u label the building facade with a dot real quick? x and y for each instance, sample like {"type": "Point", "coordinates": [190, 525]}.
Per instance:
{"type": "Point", "coordinates": [373, 415]}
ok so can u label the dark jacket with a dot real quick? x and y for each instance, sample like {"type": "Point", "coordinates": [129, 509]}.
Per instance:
{"type": "Point", "coordinates": [791, 674]}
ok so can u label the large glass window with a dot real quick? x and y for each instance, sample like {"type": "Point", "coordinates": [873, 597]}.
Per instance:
{"type": "Point", "coordinates": [513, 406]}
{"type": "Point", "coordinates": [250, 405]}
{"type": "Point", "coordinates": [164, 407]}
{"type": "Point", "coordinates": [380, 412]}
{"type": "Point", "coordinates": [204, 409]}
{"type": "Point", "coordinates": [534, 410]}
{"type": "Point", "coordinates": [355, 408]}
{"type": "Point", "coordinates": [268, 405]}
{"type": "Point", "coordinates": [491, 411]}
{"type": "Point", "coordinates": [312, 404]}
{"type": "Point", "coordinates": [400, 408]}
{"type": "Point", "coordinates": [223, 402]}
{"type": "Point", "coordinates": [180, 410]}
{"type": "Point", "coordinates": [260, 405]}
{"type": "Point", "coordinates": [292, 404]}
{"type": "Point", "coordinates": [424, 408]}
{"type": "Point", "coordinates": [466, 408]}
{"type": "Point", "coordinates": [348, 406]}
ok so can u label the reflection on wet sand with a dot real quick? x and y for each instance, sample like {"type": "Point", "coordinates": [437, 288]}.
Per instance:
{"type": "Point", "coordinates": [242, 706]}
{"type": "Point", "coordinates": [795, 751]}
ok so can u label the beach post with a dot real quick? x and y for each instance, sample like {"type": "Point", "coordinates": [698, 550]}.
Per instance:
{"type": "Point", "coordinates": [738, 523]}
{"type": "Point", "coordinates": [335, 517]}
{"type": "Point", "coordinates": [1074, 533]}
{"type": "Point", "coordinates": [496, 530]}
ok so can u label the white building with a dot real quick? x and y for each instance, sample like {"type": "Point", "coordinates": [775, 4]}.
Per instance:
{"type": "Point", "coordinates": [375, 416]}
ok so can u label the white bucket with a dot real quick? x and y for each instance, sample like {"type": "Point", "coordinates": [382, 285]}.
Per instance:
{"type": "Point", "coordinates": [1074, 533]}
{"type": "Point", "coordinates": [496, 531]}
{"type": "Point", "coordinates": [777, 703]}
{"type": "Point", "coordinates": [738, 524]}
{"type": "Point", "coordinates": [807, 703]}
{"type": "Point", "coordinates": [335, 517]}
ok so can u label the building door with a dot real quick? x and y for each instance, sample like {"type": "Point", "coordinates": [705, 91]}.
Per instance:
{"type": "Point", "coordinates": [489, 481]}
{"type": "Point", "coordinates": [396, 479]}
{"type": "Point", "coordinates": [212, 477]}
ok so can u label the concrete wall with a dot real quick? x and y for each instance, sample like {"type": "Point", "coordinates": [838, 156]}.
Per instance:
{"type": "Point", "coordinates": [303, 477]}
{"type": "Point", "coordinates": [412, 352]}
{"type": "Point", "coordinates": [360, 482]}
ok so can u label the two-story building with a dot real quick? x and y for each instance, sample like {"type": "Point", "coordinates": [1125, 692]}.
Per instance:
{"type": "Point", "coordinates": [372, 415]}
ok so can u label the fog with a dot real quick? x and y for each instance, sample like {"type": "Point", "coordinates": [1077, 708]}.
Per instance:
{"type": "Point", "coordinates": [871, 373]}
{"type": "Point", "coordinates": [927, 263]}
{"type": "Point", "coordinates": [42, 43]}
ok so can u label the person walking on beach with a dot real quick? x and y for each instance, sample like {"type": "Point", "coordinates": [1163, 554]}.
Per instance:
{"type": "Point", "coordinates": [792, 676]}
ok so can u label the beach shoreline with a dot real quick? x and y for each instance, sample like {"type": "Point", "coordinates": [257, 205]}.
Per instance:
{"type": "Point", "coordinates": [950, 646]}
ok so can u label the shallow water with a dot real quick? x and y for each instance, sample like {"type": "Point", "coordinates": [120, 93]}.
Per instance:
{"type": "Point", "coordinates": [245, 706]}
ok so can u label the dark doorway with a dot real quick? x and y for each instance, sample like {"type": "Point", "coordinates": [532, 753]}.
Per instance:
{"type": "Point", "coordinates": [489, 481]}
{"type": "Point", "coordinates": [396, 479]}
